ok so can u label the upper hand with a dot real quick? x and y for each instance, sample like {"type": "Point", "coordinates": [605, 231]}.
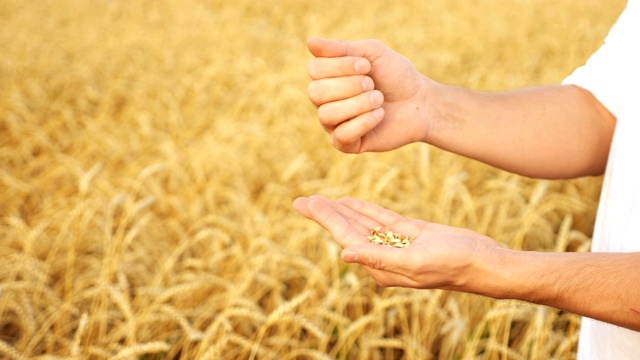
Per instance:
{"type": "Point", "coordinates": [369, 97]}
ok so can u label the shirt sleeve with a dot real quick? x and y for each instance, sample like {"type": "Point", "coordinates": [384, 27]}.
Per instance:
{"type": "Point", "coordinates": [612, 74]}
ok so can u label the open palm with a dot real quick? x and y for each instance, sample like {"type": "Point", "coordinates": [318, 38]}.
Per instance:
{"type": "Point", "coordinates": [440, 256]}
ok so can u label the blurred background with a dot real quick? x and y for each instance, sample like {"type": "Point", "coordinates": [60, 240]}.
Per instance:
{"type": "Point", "coordinates": [150, 152]}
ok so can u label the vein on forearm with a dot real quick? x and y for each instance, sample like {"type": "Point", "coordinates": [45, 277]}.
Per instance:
{"type": "Point", "coordinates": [602, 286]}
{"type": "Point", "coordinates": [549, 132]}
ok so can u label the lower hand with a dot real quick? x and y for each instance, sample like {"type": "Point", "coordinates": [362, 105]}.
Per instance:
{"type": "Point", "coordinates": [441, 256]}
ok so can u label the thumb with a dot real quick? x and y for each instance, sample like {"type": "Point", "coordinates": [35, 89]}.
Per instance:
{"type": "Point", "coordinates": [350, 256]}
{"type": "Point", "coordinates": [320, 47]}
{"type": "Point", "coordinates": [371, 255]}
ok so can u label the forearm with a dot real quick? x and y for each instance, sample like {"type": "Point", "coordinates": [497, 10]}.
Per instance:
{"type": "Point", "coordinates": [602, 286]}
{"type": "Point", "coordinates": [547, 132]}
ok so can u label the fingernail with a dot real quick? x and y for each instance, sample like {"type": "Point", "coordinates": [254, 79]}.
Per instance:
{"type": "Point", "coordinates": [361, 66]}
{"type": "Point", "coordinates": [376, 98]}
{"type": "Point", "coordinates": [378, 113]}
{"type": "Point", "coordinates": [367, 84]}
{"type": "Point", "coordinates": [350, 256]}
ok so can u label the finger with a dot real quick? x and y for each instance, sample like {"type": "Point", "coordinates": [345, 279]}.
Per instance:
{"type": "Point", "coordinates": [301, 205]}
{"type": "Point", "coordinates": [330, 215]}
{"type": "Point", "coordinates": [373, 211]}
{"type": "Point", "coordinates": [370, 255]}
{"type": "Point", "coordinates": [333, 113]}
{"type": "Point", "coordinates": [385, 264]}
{"type": "Point", "coordinates": [332, 89]}
{"type": "Point", "coordinates": [363, 223]}
{"type": "Point", "coordinates": [369, 49]}
{"type": "Point", "coordinates": [326, 48]}
{"type": "Point", "coordinates": [321, 206]}
{"type": "Point", "coordinates": [320, 68]}
{"type": "Point", "coordinates": [347, 137]}
{"type": "Point", "coordinates": [363, 226]}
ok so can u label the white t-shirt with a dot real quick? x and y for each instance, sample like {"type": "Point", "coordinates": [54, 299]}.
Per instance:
{"type": "Point", "coordinates": [612, 75]}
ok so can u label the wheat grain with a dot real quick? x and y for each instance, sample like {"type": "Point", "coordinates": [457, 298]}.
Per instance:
{"type": "Point", "coordinates": [389, 238]}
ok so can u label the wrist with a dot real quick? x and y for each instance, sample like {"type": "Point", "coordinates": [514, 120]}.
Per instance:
{"type": "Point", "coordinates": [443, 112]}
{"type": "Point", "coordinates": [504, 274]}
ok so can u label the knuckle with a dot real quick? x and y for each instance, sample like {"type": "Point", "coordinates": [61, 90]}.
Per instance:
{"type": "Point", "coordinates": [312, 69]}
{"type": "Point", "coordinates": [328, 129]}
{"type": "Point", "coordinates": [375, 262]}
{"type": "Point", "coordinates": [375, 42]}
{"type": "Point", "coordinates": [341, 139]}
{"type": "Point", "coordinates": [324, 114]}
{"type": "Point", "coordinates": [342, 144]}
{"type": "Point", "coordinates": [312, 92]}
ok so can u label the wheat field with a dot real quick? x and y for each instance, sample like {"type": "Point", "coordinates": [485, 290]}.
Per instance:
{"type": "Point", "coordinates": [150, 151]}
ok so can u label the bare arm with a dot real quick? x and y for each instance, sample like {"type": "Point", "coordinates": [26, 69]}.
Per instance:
{"type": "Point", "coordinates": [557, 131]}
{"type": "Point", "coordinates": [371, 98]}
{"type": "Point", "coordinates": [601, 286]}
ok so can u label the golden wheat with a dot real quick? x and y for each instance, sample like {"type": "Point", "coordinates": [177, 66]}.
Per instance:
{"type": "Point", "coordinates": [150, 151]}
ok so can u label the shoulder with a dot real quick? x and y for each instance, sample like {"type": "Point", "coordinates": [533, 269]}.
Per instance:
{"type": "Point", "coordinates": [615, 68]}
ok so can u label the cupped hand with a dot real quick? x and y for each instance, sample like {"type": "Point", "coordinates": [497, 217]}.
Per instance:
{"type": "Point", "coordinates": [441, 256]}
{"type": "Point", "coordinates": [369, 97]}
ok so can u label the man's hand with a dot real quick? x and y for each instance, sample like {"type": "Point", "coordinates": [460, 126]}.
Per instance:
{"type": "Point", "coordinates": [602, 286]}
{"type": "Point", "coordinates": [369, 97]}
{"type": "Point", "coordinates": [440, 257]}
